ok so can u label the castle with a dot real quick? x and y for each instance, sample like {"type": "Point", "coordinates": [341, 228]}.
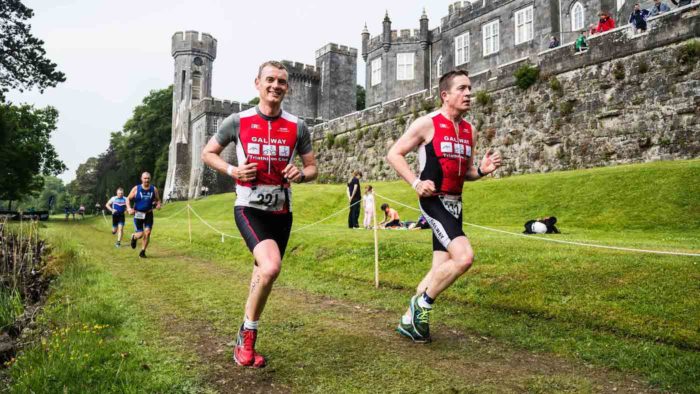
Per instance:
{"type": "Point", "coordinates": [485, 38]}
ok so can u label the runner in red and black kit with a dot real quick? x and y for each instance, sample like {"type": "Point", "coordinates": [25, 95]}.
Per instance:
{"type": "Point", "coordinates": [266, 139]}
{"type": "Point", "coordinates": [445, 143]}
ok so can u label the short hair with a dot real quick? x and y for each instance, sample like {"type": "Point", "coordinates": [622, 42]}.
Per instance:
{"type": "Point", "coordinates": [273, 63]}
{"type": "Point", "coordinates": [356, 173]}
{"type": "Point", "coordinates": [369, 188]}
{"type": "Point", "coordinates": [385, 206]}
{"type": "Point", "coordinates": [446, 80]}
{"type": "Point", "coordinates": [144, 173]}
{"type": "Point", "coordinates": [120, 189]}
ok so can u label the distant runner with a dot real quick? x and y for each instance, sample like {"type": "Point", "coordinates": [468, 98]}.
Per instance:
{"type": "Point", "coordinates": [117, 206]}
{"type": "Point", "coordinates": [446, 144]}
{"type": "Point", "coordinates": [266, 139]}
{"type": "Point", "coordinates": [145, 196]}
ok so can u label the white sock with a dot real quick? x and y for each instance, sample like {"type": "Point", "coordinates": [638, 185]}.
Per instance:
{"type": "Point", "coordinates": [423, 304]}
{"type": "Point", "coordinates": [405, 319]}
{"type": "Point", "coordinates": [250, 325]}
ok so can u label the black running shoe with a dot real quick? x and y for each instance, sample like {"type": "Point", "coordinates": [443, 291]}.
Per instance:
{"type": "Point", "coordinates": [133, 242]}
{"type": "Point", "coordinates": [142, 254]}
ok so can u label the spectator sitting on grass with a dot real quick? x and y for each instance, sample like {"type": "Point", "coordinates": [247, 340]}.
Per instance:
{"type": "Point", "coordinates": [638, 19]}
{"type": "Point", "coordinates": [581, 45]}
{"type": "Point", "coordinates": [605, 23]}
{"type": "Point", "coordinates": [659, 8]}
{"type": "Point", "coordinates": [391, 217]}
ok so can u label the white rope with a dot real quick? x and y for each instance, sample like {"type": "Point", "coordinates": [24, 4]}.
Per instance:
{"type": "Point", "coordinates": [327, 217]}
{"type": "Point", "coordinates": [558, 240]}
{"type": "Point", "coordinates": [223, 234]}
{"type": "Point", "coordinates": [175, 214]}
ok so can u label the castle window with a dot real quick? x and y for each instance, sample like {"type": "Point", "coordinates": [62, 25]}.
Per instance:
{"type": "Point", "coordinates": [462, 49]}
{"type": "Point", "coordinates": [404, 66]}
{"type": "Point", "coordinates": [438, 67]}
{"type": "Point", "coordinates": [523, 25]}
{"type": "Point", "coordinates": [196, 85]}
{"type": "Point", "coordinates": [491, 37]}
{"type": "Point", "coordinates": [577, 17]}
{"type": "Point", "coordinates": [183, 84]}
{"type": "Point", "coordinates": [376, 76]}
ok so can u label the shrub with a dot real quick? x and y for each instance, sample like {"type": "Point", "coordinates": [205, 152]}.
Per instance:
{"type": "Point", "coordinates": [618, 71]}
{"type": "Point", "coordinates": [483, 98]}
{"type": "Point", "coordinates": [642, 66]}
{"type": "Point", "coordinates": [427, 105]}
{"type": "Point", "coordinates": [688, 52]}
{"type": "Point", "coordinates": [330, 140]}
{"type": "Point", "coordinates": [400, 121]}
{"type": "Point", "coordinates": [556, 86]}
{"type": "Point", "coordinates": [566, 108]}
{"type": "Point", "coordinates": [526, 76]}
{"type": "Point", "coordinates": [342, 142]}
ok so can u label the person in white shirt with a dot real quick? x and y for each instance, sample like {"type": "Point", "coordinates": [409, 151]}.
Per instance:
{"type": "Point", "coordinates": [368, 204]}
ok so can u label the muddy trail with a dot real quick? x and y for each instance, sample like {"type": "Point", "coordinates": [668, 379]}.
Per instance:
{"type": "Point", "coordinates": [314, 342]}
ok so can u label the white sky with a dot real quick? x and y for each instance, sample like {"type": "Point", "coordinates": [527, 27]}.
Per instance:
{"type": "Point", "coordinates": [114, 52]}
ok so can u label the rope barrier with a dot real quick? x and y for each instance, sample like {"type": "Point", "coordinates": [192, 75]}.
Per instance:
{"type": "Point", "coordinates": [223, 234]}
{"type": "Point", "coordinates": [327, 217]}
{"type": "Point", "coordinates": [557, 240]}
{"type": "Point", "coordinates": [175, 214]}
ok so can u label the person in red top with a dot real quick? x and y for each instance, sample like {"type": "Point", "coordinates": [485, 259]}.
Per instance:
{"type": "Point", "coordinates": [605, 23]}
{"type": "Point", "coordinates": [266, 139]}
{"type": "Point", "coordinates": [445, 143]}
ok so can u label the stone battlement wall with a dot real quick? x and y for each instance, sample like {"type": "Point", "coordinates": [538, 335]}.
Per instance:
{"type": "Point", "coordinates": [192, 41]}
{"type": "Point", "coordinates": [630, 98]}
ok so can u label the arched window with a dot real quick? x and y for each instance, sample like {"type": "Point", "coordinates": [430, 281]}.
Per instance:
{"type": "Point", "coordinates": [438, 67]}
{"type": "Point", "coordinates": [196, 85]}
{"type": "Point", "coordinates": [577, 17]}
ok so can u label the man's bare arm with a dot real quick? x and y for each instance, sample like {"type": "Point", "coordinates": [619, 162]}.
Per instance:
{"type": "Point", "coordinates": [211, 157]}
{"type": "Point", "coordinates": [416, 134]}
{"type": "Point", "coordinates": [131, 195]}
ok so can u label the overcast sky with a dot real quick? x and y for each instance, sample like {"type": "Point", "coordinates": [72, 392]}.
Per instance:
{"type": "Point", "coordinates": [114, 52]}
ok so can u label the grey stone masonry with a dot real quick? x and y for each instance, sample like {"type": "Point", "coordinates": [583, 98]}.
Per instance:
{"type": "Point", "coordinates": [630, 98]}
{"type": "Point", "coordinates": [337, 94]}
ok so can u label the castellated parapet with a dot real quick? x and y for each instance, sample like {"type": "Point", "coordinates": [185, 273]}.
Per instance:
{"type": "Point", "coordinates": [306, 72]}
{"type": "Point", "coordinates": [194, 42]}
{"type": "Point", "coordinates": [339, 49]}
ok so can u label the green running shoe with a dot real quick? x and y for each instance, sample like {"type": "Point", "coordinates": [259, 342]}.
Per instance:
{"type": "Point", "coordinates": [407, 331]}
{"type": "Point", "coordinates": [420, 318]}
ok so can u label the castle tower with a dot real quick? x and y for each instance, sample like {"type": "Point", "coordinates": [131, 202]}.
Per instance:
{"type": "Point", "coordinates": [386, 32]}
{"type": "Point", "coordinates": [302, 97]}
{"type": "Point", "coordinates": [365, 43]}
{"type": "Point", "coordinates": [424, 37]}
{"type": "Point", "coordinates": [194, 55]}
{"type": "Point", "coordinates": [337, 67]}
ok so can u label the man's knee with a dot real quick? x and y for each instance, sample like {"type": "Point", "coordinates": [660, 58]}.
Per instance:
{"type": "Point", "coordinates": [269, 270]}
{"type": "Point", "coordinates": [463, 260]}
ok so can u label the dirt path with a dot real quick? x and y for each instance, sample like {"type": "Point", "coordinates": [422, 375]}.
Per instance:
{"type": "Point", "coordinates": [320, 342]}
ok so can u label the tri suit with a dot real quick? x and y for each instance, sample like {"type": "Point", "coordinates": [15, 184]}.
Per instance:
{"type": "Point", "coordinates": [263, 207]}
{"type": "Point", "coordinates": [444, 161]}
{"type": "Point", "coordinates": [143, 205]}
{"type": "Point", "coordinates": [118, 209]}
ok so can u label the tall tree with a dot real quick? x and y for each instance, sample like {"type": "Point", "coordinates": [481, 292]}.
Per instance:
{"type": "Point", "coordinates": [26, 152]}
{"type": "Point", "coordinates": [360, 101]}
{"type": "Point", "coordinates": [23, 62]}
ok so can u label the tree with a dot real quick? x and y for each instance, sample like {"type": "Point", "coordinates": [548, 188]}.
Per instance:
{"type": "Point", "coordinates": [23, 62]}
{"type": "Point", "coordinates": [360, 104]}
{"type": "Point", "coordinates": [254, 101]}
{"type": "Point", "coordinates": [26, 152]}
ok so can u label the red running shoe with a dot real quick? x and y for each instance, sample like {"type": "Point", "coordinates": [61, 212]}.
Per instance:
{"type": "Point", "coordinates": [244, 353]}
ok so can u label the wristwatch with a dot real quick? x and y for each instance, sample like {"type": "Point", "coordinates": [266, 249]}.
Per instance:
{"type": "Point", "coordinates": [303, 177]}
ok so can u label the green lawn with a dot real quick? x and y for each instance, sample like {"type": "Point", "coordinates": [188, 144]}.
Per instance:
{"type": "Point", "coordinates": [588, 316]}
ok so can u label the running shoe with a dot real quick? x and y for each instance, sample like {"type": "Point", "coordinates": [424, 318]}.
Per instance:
{"type": "Point", "coordinates": [420, 318]}
{"type": "Point", "coordinates": [408, 331]}
{"type": "Point", "coordinates": [142, 254]}
{"type": "Point", "coordinates": [133, 242]}
{"type": "Point", "coordinates": [244, 353]}
{"type": "Point", "coordinates": [117, 244]}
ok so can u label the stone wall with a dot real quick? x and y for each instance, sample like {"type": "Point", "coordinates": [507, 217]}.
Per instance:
{"type": "Point", "coordinates": [629, 99]}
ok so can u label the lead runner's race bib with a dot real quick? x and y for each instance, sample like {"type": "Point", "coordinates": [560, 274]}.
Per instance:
{"type": "Point", "coordinates": [267, 198]}
{"type": "Point", "coordinates": [453, 205]}
{"type": "Point", "coordinates": [140, 215]}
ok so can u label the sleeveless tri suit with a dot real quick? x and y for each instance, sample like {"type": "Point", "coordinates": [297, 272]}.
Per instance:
{"type": "Point", "coordinates": [444, 161]}
{"type": "Point", "coordinates": [263, 208]}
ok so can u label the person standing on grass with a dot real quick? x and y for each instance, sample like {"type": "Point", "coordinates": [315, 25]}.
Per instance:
{"type": "Point", "coordinates": [145, 197]}
{"type": "Point", "coordinates": [446, 143]}
{"type": "Point", "coordinates": [117, 206]}
{"type": "Point", "coordinates": [266, 139]}
{"type": "Point", "coordinates": [354, 197]}
{"type": "Point", "coordinates": [368, 204]}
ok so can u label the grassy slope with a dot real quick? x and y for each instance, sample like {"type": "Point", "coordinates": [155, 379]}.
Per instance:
{"type": "Point", "coordinates": [632, 311]}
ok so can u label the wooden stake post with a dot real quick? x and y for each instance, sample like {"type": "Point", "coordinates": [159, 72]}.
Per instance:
{"type": "Point", "coordinates": [376, 246]}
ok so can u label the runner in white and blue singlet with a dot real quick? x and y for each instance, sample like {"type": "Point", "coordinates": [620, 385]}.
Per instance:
{"type": "Point", "coordinates": [117, 205]}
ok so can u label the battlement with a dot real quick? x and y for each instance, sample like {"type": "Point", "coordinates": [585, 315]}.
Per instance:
{"type": "Point", "coordinates": [210, 105]}
{"type": "Point", "coordinates": [192, 41]}
{"type": "Point", "coordinates": [340, 49]}
{"type": "Point", "coordinates": [463, 11]}
{"type": "Point", "coordinates": [402, 36]}
{"type": "Point", "coordinates": [301, 70]}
